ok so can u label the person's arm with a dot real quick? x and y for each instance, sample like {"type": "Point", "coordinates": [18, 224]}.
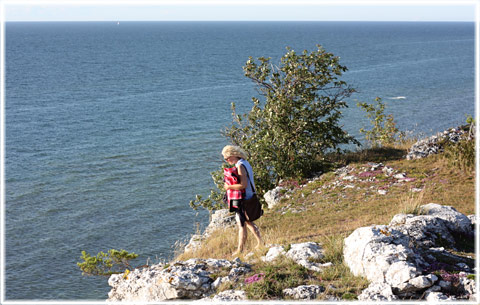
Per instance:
{"type": "Point", "coordinates": [242, 173]}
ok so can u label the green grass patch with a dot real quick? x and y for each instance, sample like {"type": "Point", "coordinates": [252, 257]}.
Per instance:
{"type": "Point", "coordinates": [281, 274]}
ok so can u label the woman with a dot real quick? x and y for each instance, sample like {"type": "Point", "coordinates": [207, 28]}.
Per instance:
{"type": "Point", "coordinates": [235, 155]}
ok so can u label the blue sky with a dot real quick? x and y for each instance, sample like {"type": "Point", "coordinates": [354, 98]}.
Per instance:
{"type": "Point", "coordinates": [247, 10]}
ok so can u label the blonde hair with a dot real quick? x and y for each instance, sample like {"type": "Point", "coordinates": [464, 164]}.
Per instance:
{"type": "Point", "coordinates": [233, 151]}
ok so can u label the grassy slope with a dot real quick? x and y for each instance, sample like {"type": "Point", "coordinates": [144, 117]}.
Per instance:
{"type": "Point", "coordinates": [329, 209]}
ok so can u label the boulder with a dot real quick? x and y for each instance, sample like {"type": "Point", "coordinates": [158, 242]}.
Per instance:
{"type": "Point", "coordinates": [304, 254]}
{"type": "Point", "coordinates": [454, 220]}
{"type": "Point", "coordinates": [439, 225]}
{"type": "Point", "coordinates": [226, 296]}
{"type": "Point", "coordinates": [305, 251]}
{"type": "Point", "coordinates": [401, 255]}
{"type": "Point", "coordinates": [434, 144]}
{"type": "Point", "coordinates": [381, 255]}
{"type": "Point", "coordinates": [304, 292]}
{"type": "Point", "coordinates": [423, 230]}
{"type": "Point", "coordinates": [189, 279]}
{"type": "Point", "coordinates": [273, 253]}
{"type": "Point", "coordinates": [154, 284]}
{"type": "Point", "coordinates": [377, 291]}
{"type": "Point", "coordinates": [272, 197]}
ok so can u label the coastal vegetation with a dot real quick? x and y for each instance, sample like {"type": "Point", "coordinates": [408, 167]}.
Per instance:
{"type": "Point", "coordinates": [106, 264]}
{"type": "Point", "coordinates": [289, 132]}
{"type": "Point", "coordinates": [384, 131]}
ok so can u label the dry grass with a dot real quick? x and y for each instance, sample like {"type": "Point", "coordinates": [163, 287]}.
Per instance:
{"type": "Point", "coordinates": [411, 202]}
{"type": "Point", "coordinates": [340, 211]}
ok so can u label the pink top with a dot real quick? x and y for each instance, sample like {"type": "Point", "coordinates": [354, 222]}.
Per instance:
{"type": "Point", "coordinates": [231, 178]}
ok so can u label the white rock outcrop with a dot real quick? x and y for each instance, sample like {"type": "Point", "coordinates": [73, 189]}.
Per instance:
{"type": "Point", "coordinates": [377, 291]}
{"type": "Point", "coordinates": [381, 255]}
{"type": "Point", "coordinates": [181, 280]}
{"type": "Point", "coordinates": [272, 197]}
{"type": "Point", "coordinates": [273, 253]}
{"type": "Point", "coordinates": [226, 296]}
{"type": "Point", "coordinates": [396, 259]}
{"type": "Point", "coordinates": [434, 144]}
{"type": "Point", "coordinates": [454, 220]}
{"type": "Point", "coordinates": [304, 292]}
{"type": "Point", "coordinates": [305, 254]}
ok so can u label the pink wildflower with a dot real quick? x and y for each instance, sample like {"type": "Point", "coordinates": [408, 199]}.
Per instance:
{"type": "Point", "coordinates": [255, 278]}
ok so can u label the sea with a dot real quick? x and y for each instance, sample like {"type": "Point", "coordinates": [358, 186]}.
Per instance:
{"type": "Point", "coordinates": [111, 128]}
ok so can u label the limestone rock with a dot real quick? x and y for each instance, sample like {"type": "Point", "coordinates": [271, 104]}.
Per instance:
{"type": "Point", "coordinates": [219, 281]}
{"type": "Point", "coordinates": [195, 242]}
{"type": "Point", "coordinates": [377, 292]}
{"type": "Point", "coordinates": [305, 251]}
{"type": "Point", "coordinates": [454, 220]}
{"type": "Point", "coordinates": [424, 230]}
{"type": "Point", "coordinates": [423, 281]}
{"type": "Point", "coordinates": [226, 296]}
{"type": "Point", "coordinates": [317, 267]}
{"type": "Point", "coordinates": [220, 219]}
{"type": "Point", "coordinates": [435, 297]}
{"type": "Point", "coordinates": [303, 254]}
{"type": "Point", "coordinates": [434, 144]}
{"type": "Point", "coordinates": [435, 227]}
{"type": "Point", "coordinates": [400, 255]}
{"type": "Point", "coordinates": [468, 285]}
{"type": "Point", "coordinates": [181, 280]}
{"type": "Point", "coordinates": [382, 192]}
{"type": "Point", "coordinates": [473, 219]}
{"type": "Point", "coordinates": [304, 292]}
{"type": "Point", "coordinates": [388, 170]}
{"type": "Point", "coordinates": [154, 284]}
{"type": "Point", "coordinates": [272, 197]}
{"type": "Point", "coordinates": [273, 253]}
{"type": "Point", "coordinates": [381, 255]}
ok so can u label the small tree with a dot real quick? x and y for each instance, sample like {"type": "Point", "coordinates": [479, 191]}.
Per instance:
{"type": "Point", "coordinates": [106, 264]}
{"type": "Point", "coordinates": [384, 131]}
{"type": "Point", "coordinates": [289, 132]}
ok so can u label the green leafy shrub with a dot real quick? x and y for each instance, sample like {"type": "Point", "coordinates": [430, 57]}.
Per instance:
{"type": "Point", "coordinates": [384, 131]}
{"type": "Point", "coordinates": [288, 133]}
{"type": "Point", "coordinates": [461, 155]}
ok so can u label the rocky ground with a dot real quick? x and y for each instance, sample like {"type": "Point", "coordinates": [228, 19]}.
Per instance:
{"type": "Point", "coordinates": [407, 259]}
{"type": "Point", "coordinates": [403, 260]}
{"type": "Point", "coordinates": [414, 257]}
